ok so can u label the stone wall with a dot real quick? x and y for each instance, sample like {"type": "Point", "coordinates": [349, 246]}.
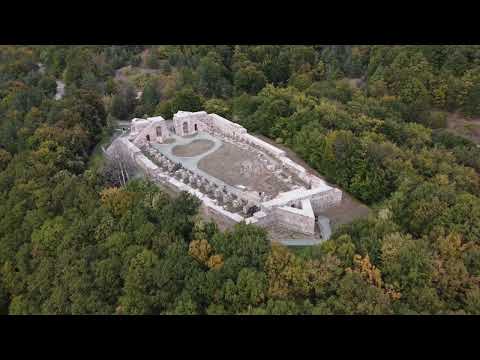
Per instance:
{"type": "Point", "coordinates": [225, 126]}
{"type": "Point", "coordinates": [147, 165]}
{"type": "Point", "coordinates": [292, 166]}
{"type": "Point", "coordinates": [270, 149]}
{"type": "Point", "coordinates": [294, 219]}
{"type": "Point", "coordinates": [299, 220]}
{"type": "Point", "coordinates": [156, 131]}
{"type": "Point", "coordinates": [155, 173]}
{"type": "Point", "coordinates": [138, 125]}
{"type": "Point", "coordinates": [261, 218]}
{"type": "Point", "coordinates": [294, 210]}
{"type": "Point", "coordinates": [325, 200]}
{"type": "Point", "coordinates": [123, 147]}
{"type": "Point", "coordinates": [187, 123]}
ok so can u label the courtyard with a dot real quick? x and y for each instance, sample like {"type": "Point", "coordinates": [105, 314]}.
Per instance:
{"type": "Point", "coordinates": [237, 176]}
{"type": "Point", "coordinates": [226, 164]}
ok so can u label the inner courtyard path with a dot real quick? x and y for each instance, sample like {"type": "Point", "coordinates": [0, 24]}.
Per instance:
{"type": "Point", "coordinates": [191, 163]}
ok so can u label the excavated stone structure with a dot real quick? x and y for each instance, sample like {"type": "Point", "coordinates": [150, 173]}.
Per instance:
{"type": "Point", "coordinates": [295, 209]}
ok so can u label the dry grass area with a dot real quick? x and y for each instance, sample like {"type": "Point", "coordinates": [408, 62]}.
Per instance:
{"type": "Point", "coordinates": [130, 73]}
{"type": "Point", "coordinates": [467, 128]}
{"type": "Point", "coordinates": [138, 77]}
{"type": "Point", "coordinates": [348, 210]}
{"type": "Point", "coordinates": [195, 148]}
{"type": "Point", "coordinates": [235, 166]}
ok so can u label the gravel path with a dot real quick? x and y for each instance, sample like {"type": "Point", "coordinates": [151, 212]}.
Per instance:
{"type": "Point", "coordinates": [324, 225]}
{"type": "Point", "coordinates": [301, 242]}
{"type": "Point", "coordinates": [60, 90]}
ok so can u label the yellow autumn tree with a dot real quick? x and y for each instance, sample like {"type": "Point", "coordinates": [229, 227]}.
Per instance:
{"type": "Point", "coordinates": [215, 262]}
{"type": "Point", "coordinates": [372, 275]}
{"type": "Point", "coordinates": [286, 274]}
{"type": "Point", "coordinates": [450, 274]}
{"type": "Point", "coordinates": [200, 250]}
{"type": "Point", "coordinates": [369, 272]}
{"type": "Point", "coordinates": [117, 200]}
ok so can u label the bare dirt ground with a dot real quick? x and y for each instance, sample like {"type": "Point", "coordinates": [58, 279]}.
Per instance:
{"type": "Point", "coordinates": [235, 166]}
{"type": "Point", "coordinates": [195, 148]}
{"type": "Point", "coordinates": [467, 128]}
{"type": "Point", "coordinates": [347, 211]}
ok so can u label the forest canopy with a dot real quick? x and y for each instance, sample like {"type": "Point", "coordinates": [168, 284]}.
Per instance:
{"type": "Point", "coordinates": [373, 120]}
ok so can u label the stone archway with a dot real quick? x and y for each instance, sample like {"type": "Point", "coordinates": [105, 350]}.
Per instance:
{"type": "Point", "coordinates": [196, 127]}
{"type": "Point", "coordinates": [185, 128]}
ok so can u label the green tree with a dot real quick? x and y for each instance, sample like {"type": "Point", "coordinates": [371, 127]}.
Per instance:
{"type": "Point", "coordinates": [186, 100]}
{"type": "Point", "coordinates": [249, 79]}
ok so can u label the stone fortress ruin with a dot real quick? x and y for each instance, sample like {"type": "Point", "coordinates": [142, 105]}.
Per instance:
{"type": "Point", "coordinates": [236, 175]}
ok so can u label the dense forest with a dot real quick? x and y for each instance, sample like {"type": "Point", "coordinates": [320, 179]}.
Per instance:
{"type": "Point", "coordinates": [372, 119]}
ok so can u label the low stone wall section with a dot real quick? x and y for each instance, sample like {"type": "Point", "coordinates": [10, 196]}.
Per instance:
{"type": "Point", "coordinates": [299, 220]}
{"type": "Point", "coordinates": [226, 126]}
{"type": "Point", "coordinates": [325, 200]}
{"type": "Point", "coordinates": [270, 149]}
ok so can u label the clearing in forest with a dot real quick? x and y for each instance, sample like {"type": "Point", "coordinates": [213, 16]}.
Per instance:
{"type": "Point", "coordinates": [466, 128]}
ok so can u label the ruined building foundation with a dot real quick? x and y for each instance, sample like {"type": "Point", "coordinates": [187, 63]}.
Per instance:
{"type": "Point", "coordinates": [270, 190]}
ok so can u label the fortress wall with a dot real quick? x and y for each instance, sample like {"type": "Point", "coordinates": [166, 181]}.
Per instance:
{"type": "Point", "coordinates": [138, 125]}
{"type": "Point", "coordinates": [147, 165]}
{"type": "Point", "coordinates": [299, 220]}
{"type": "Point", "coordinates": [200, 118]}
{"type": "Point", "coordinates": [261, 218]}
{"type": "Point", "coordinates": [325, 200]}
{"type": "Point", "coordinates": [153, 171]}
{"type": "Point", "coordinates": [294, 219]}
{"type": "Point", "coordinates": [297, 169]}
{"type": "Point", "coordinates": [293, 196]}
{"type": "Point", "coordinates": [207, 202]}
{"type": "Point", "coordinates": [321, 198]}
{"type": "Point", "coordinates": [225, 126]}
{"type": "Point", "coordinates": [151, 131]}
{"type": "Point", "coordinates": [223, 222]}
{"type": "Point", "coordinates": [277, 211]}
{"type": "Point", "coordinates": [313, 180]}
{"type": "Point", "coordinates": [219, 211]}
{"type": "Point", "coordinates": [124, 148]}
{"type": "Point", "coordinates": [263, 145]}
